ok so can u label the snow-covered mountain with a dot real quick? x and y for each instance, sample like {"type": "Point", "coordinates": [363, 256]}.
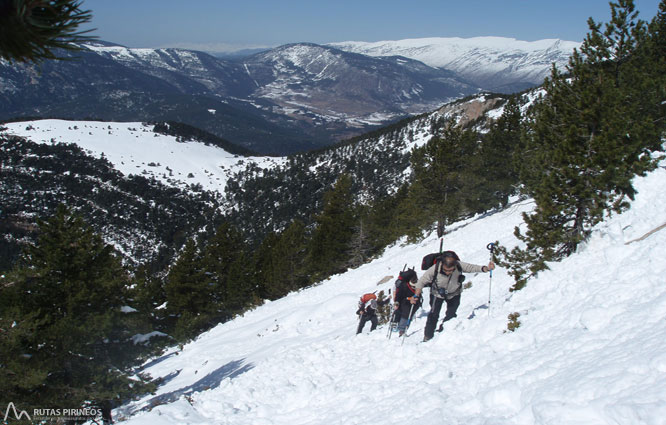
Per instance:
{"type": "Point", "coordinates": [188, 70]}
{"type": "Point", "coordinates": [493, 63]}
{"type": "Point", "coordinates": [589, 349]}
{"type": "Point", "coordinates": [291, 98]}
{"type": "Point", "coordinates": [319, 83]}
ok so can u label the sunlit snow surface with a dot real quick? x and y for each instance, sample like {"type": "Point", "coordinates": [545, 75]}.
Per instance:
{"type": "Point", "coordinates": [591, 348]}
{"type": "Point", "coordinates": [133, 148]}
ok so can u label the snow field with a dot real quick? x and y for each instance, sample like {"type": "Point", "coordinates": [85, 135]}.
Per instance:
{"type": "Point", "coordinates": [591, 348]}
{"type": "Point", "coordinates": [133, 148]}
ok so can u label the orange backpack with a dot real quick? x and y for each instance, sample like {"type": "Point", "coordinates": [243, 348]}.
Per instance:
{"type": "Point", "coordinates": [367, 297]}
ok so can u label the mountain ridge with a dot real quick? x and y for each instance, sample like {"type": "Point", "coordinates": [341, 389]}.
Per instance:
{"type": "Point", "coordinates": [271, 102]}
{"type": "Point", "coordinates": [508, 64]}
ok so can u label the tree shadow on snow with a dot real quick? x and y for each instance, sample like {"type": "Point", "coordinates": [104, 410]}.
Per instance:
{"type": "Point", "coordinates": [157, 360]}
{"type": "Point", "coordinates": [208, 382]}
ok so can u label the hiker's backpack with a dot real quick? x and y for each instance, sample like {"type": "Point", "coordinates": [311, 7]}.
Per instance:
{"type": "Point", "coordinates": [436, 257]}
{"type": "Point", "coordinates": [367, 297]}
{"type": "Point", "coordinates": [407, 276]}
{"type": "Point", "coordinates": [367, 301]}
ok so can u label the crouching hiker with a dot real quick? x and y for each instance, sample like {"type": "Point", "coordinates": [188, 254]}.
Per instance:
{"type": "Point", "coordinates": [445, 279]}
{"type": "Point", "coordinates": [404, 294]}
{"type": "Point", "coordinates": [367, 310]}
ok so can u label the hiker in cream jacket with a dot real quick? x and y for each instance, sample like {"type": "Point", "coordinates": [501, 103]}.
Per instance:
{"type": "Point", "coordinates": [445, 279]}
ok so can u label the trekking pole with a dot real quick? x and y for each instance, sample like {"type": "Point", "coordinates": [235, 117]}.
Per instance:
{"type": "Point", "coordinates": [491, 248]}
{"type": "Point", "coordinates": [390, 324]}
{"type": "Point", "coordinates": [409, 320]}
{"type": "Point", "coordinates": [391, 315]}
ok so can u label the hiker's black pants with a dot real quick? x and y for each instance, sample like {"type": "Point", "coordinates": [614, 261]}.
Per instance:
{"type": "Point", "coordinates": [402, 316]}
{"type": "Point", "coordinates": [403, 311]}
{"type": "Point", "coordinates": [364, 318]}
{"type": "Point", "coordinates": [435, 307]}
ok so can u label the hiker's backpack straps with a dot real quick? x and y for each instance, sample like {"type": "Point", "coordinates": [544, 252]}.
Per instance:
{"type": "Point", "coordinates": [438, 265]}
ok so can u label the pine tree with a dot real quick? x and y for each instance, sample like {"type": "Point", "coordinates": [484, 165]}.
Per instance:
{"type": "Point", "coordinates": [31, 30]}
{"type": "Point", "coordinates": [359, 246]}
{"type": "Point", "coordinates": [280, 262]}
{"type": "Point", "coordinates": [591, 133]}
{"type": "Point", "coordinates": [445, 181]}
{"type": "Point", "coordinates": [384, 221]}
{"type": "Point", "coordinates": [497, 153]}
{"type": "Point", "coordinates": [227, 269]}
{"type": "Point", "coordinates": [290, 252]}
{"type": "Point", "coordinates": [65, 339]}
{"type": "Point", "coordinates": [188, 292]}
{"type": "Point", "coordinates": [327, 250]}
{"type": "Point", "coordinates": [654, 52]}
{"type": "Point", "coordinates": [269, 284]}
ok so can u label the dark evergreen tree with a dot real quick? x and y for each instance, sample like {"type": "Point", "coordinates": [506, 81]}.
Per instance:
{"type": "Point", "coordinates": [499, 162]}
{"type": "Point", "coordinates": [188, 293]}
{"type": "Point", "coordinates": [359, 245]}
{"type": "Point", "coordinates": [269, 284]}
{"type": "Point", "coordinates": [327, 250]}
{"type": "Point", "coordinates": [383, 219]}
{"type": "Point", "coordinates": [228, 271]}
{"type": "Point", "coordinates": [65, 340]}
{"type": "Point", "coordinates": [280, 262]}
{"type": "Point", "coordinates": [290, 253]}
{"type": "Point", "coordinates": [590, 134]}
{"type": "Point", "coordinates": [445, 181]}
{"type": "Point", "coordinates": [654, 50]}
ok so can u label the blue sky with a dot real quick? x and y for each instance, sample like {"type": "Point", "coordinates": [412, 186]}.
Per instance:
{"type": "Point", "coordinates": [230, 25]}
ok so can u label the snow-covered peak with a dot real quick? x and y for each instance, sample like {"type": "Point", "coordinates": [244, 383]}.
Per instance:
{"type": "Point", "coordinates": [311, 59]}
{"type": "Point", "coordinates": [323, 84]}
{"type": "Point", "coordinates": [493, 61]}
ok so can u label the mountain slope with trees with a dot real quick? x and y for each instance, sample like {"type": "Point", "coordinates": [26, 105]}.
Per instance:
{"type": "Point", "coordinates": [146, 220]}
{"type": "Point", "coordinates": [578, 149]}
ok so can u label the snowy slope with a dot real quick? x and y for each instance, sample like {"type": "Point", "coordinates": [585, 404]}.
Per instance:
{"type": "Point", "coordinates": [591, 348]}
{"type": "Point", "coordinates": [133, 148]}
{"type": "Point", "coordinates": [490, 62]}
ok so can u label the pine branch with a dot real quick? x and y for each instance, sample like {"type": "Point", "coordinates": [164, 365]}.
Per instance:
{"type": "Point", "coordinates": [31, 30]}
